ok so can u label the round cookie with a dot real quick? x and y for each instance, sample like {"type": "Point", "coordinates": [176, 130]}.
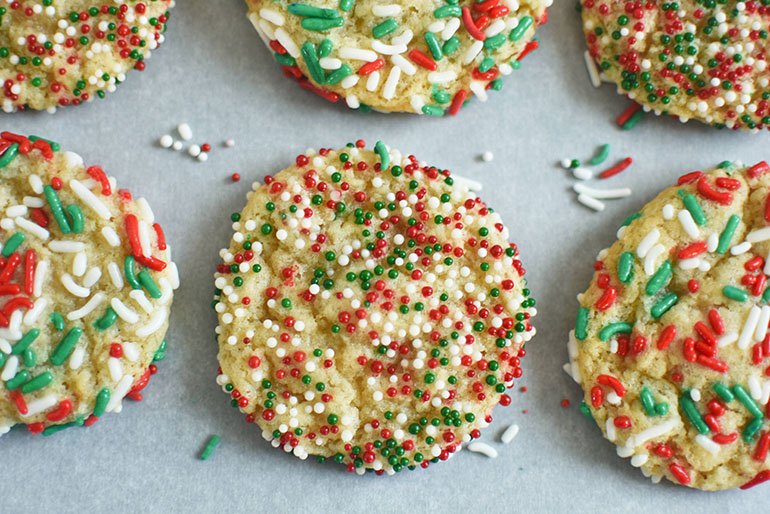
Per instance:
{"type": "Point", "coordinates": [693, 59]}
{"type": "Point", "coordinates": [371, 310]}
{"type": "Point", "coordinates": [86, 284]}
{"type": "Point", "coordinates": [63, 52]}
{"type": "Point", "coordinates": [422, 56]}
{"type": "Point", "coordinates": [671, 343]}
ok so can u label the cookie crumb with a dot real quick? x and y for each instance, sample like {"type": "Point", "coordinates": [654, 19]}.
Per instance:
{"type": "Point", "coordinates": [210, 447]}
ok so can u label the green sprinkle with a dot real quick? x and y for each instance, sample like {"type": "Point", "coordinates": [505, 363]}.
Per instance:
{"type": "Point", "coordinates": [56, 209]}
{"type": "Point", "coordinates": [384, 28]}
{"type": "Point", "coordinates": [751, 429]}
{"type": "Point", "coordinates": [58, 321]}
{"type": "Point", "coordinates": [626, 267]}
{"type": "Point", "coordinates": [51, 430]}
{"type": "Point", "coordinates": [659, 278]}
{"type": "Point", "coordinates": [661, 409]}
{"type": "Point", "coordinates": [9, 155]}
{"type": "Point", "coordinates": [339, 74]}
{"type": "Point", "coordinates": [630, 219]}
{"type": "Point", "coordinates": [692, 205]}
{"type": "Point", "coordinates": [29, 357]}
{"type": "Point", "coordinates": [65, 347]}
{"type": "Point", "coordinates": [581, 324]}
{"type": "Point", "coordinates": [604, 152]}
{"type": "Point", "coordinates": [106, 321]}
{"type": "Point", "coordinates": [312, 12]}
{"type": "Point", "coordinates": [723, 391]}
{"type": "Point", "coordinates": [149, 284]}
{"type": "Point", "coordinates": [21, 377]}
{"type": "Point", "coordinates": [745, 398]}
{"type": "Point", "coordinates": [735, 293]}
{"type": "Point", "coordinates": [648, 401]}
{"type": "Point", "coordinates": [128, 270]}
{"type": "Point", "coordinates": [13, 243]}
{"type": "Point", "coordinates": [614, 328]}
{"type": "Point", "coordinates": [633, 120]}
{"type": "Point", "coordinates": [325, 48]}
{"type": "Point", "coordinates": [25, 341]}
{"type": "Point", "coordinates": [433, 110]}
{"type": "Point", "coordinates": [586, 411]}
{"type": "Point", "coordinates": [313, 66]}
{"type": "Point", "coordinates": [727, 234]}
{"type": "Point", "coordinates": [518, 31]}
{"type": "Point", "coordinates": [76, 215]}
{"type": "Point", "coordinates": [380, 150]}
{"type": "Point", "coordinates": [210, 447]}
{"type": "Point", "coordinates": [39, 382]}
{"type": "Point", "coordinates": [448, 10]}
{"type": "Point", "coordinates": [451, 45]}
{"type": "Point", "coordinates": [321, 24]}
{"type": "Point", "coordinates": [346, 5]}
{"type": "Point", "coordinates": [660, 308]}
{"type": "Point", "coordinates": [691, 411]}
{"type": "Point", "coordinates": [434, 46]}
{"type": "Point", "coordinates": [102, 399]}
{"type": "Point", "coordinates": [494, 42]}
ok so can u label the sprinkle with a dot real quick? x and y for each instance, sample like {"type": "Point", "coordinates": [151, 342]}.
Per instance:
{"type": "Point", "coordinates": [510, 433]}
{"type": "Point", "coordinates": [604, 152]}
{"type": "Point", "coordinates": [210, 447]}
{"type": "Point", "coordinates": [601, 193]}
{"type": "Point", "coordinates": [166, 141]}
{"type": "Point", "coordinates": [482, 448]}
{"type": "Point", "coordinates": [185, 132]}
{"type": "Point", "coordinates": [487, 156]}
{"type": "Point", "coordinates": [590, 201]}
{"type": "Point", "coordinates": [622, 165]}
{"type": "Point", "coordinates": [727, 234]}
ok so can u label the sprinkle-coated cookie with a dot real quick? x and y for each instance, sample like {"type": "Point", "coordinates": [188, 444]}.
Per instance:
{"type": "Point", "coordinates": [705, 60]}
{"type": "Point", "coordinates": [63, 52]}
{"type": "Point", "coordinates": [671, 343]}
{"type": "Point", "coordinates": [422, 56]}
{"type": "Point", "coordinates": [86, 283]}
{"type": "Point", "coordinates": [371, 310]}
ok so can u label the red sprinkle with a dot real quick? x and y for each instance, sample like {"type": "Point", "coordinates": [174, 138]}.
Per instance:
{"type": "Point", "coordinates": [622, 165]}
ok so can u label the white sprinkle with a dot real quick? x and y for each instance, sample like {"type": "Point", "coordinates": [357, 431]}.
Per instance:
{"type": "Point", "coordinates": [707, 444]}
{"type": "Point", "coordinates": [688, 224]}
{"type": "Point", "coordinates": [610, 429]}
{"type": "Point", "coordinates": [115, 368]}
{"type": "Point", "coordinates": [32, 228]}
{"type": "Point", "coordinates": [389, 89]}
{"type": "Point", "coordinates": [601, 193]}
{"type": "Point", "coordinates": [155, 323]}
{"type": "Point", "coordinates": [482, 448]}
{"type": "Point", "coordinates": [140, 298]}
{"type": "Point", "coordinates": [185, 132]}
{"type": "Point", "coordinates": [115, 275]}
{"type": "Point", "coordinates": [166, 141]}
{"type": "Point", "coordinates": [668, 211]}
{"type": "Point", "coordinates": [110, 236]}
{"type": "Point", "coordinates": [748, 327]}
{"type": "Point", "coordinates": [727, 339]}
{"type": "Point", "coordinates": [590, 201]}
{"type": "Point", "coordinates": [651, 257]}
{"type": "Point", "coordinates": [755, 388]}
{"type": "Point", "coordinates": [86, 309]}
{"type": "Point", "coordinates": [90, 199]}
{"type": "Point", "coordinates": [121, 390]}
{"type": "Point", "coordinates": [487, 156]}
{"type": "Point", "coordinates": [647, 243]}
{"type": "Point", "coordinates": [37, 309]}
{"type": "Point", "coordinates": [11, 366]}
{"type": "Point", "coordinates": [178, 145]}
{"type": "Point", "coordinates": [762, 324]}
{"type": "Point", "coordinates": [593, 73]}
{"type": "Point", "coordinates": [756, 236]}
{"type": "Point", "coordinates": [357, 54]}
{"type": "Point", "coordinates": [653, 432]}
{"type": "Point", "coordinates": [740, 249]}
{"type": "Point", "coordinates": [60, 246]}
{"type": "Point", "coordinates": [194, 150]}
{"type": "Point", "coordinates": [581, 173]}
{"type": "Point", "coordinates": [639, 460]}
{"type": "Point", "coordinates": [74, 289]}
{"type": "Point", "coordinates": [41, 270]}
{"type": "Point", "coordinates": [510, 433]}
{"type": "Point", "coordinates": [126, 313]}
{"type": "Point", "coordinates": [76, 359]}
{"type": "Point", "coordinates": [229, 143]}
{"type": "Point", "coordinates": [39, 405]}
{"type": "Point", "coordinates": [203, 157]}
